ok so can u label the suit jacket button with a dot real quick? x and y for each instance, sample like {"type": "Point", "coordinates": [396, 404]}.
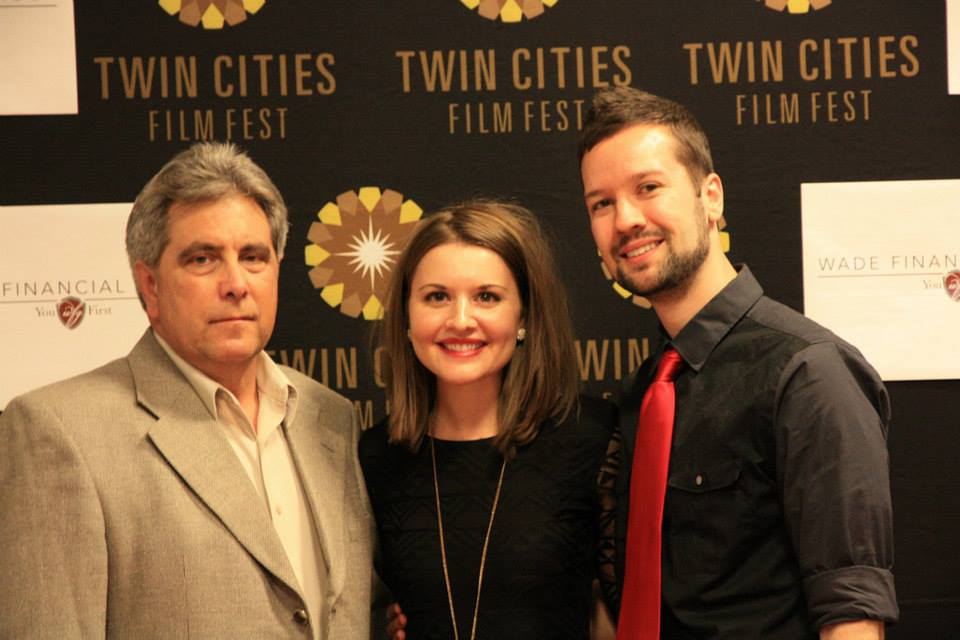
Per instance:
{"type": "Point", "coordinates": [301, 617]}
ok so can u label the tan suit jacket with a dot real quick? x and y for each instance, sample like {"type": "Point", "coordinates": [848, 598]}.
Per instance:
{"type": "Point", "coordinates": [125, 514]}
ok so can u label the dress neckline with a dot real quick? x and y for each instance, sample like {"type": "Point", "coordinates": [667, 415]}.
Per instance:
{"type": "Point", "coordinates": [444, 441]}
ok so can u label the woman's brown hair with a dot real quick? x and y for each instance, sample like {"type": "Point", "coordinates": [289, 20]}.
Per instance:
{"type": "Point", "coordinates": [540, 381]}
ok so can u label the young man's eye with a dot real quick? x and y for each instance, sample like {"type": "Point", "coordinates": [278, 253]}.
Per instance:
{"type": "Point", "coordinates": [600, 204]}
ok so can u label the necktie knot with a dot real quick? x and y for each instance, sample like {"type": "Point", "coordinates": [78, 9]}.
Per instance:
{"type": "Point", "coordinates": [669, 367]}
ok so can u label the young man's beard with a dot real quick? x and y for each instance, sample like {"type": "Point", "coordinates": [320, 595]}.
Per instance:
{"type": "Point", "coordinates": [676, 268]}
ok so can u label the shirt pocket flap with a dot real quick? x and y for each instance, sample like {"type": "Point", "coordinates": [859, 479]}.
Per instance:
{"type": "Point", "coordinates": [706, 478]}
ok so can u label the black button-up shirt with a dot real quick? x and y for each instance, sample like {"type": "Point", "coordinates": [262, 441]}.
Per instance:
{"type": "Point", "coordinates": [777, 518]}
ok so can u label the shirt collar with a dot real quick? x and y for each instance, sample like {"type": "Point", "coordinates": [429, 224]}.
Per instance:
{"type": "Point", "coordinates": [697, 340]}
{"type": "Point", "coordinates": [271, 381]}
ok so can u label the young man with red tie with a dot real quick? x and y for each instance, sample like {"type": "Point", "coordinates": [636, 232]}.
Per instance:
{"type": "Point", "coordinates": [753, 494]}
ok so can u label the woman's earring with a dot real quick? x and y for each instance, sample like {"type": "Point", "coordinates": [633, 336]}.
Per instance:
{"type": "Point", "coordinates": [521, 335]}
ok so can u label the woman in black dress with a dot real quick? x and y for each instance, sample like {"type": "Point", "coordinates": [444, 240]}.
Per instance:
{"type": "Point", "coordinates": [483, 478]}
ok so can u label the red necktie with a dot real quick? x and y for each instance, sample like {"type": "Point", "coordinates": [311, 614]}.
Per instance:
{"type": "Point", "coordinates": [640, 603]}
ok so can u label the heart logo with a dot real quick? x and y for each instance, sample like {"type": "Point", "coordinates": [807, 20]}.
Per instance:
{"type": "Point", "coordinates": [951, 282]}
{"type": "Point", "coordinates": [71, 311]}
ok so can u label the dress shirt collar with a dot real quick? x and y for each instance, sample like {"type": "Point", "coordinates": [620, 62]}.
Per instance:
{"type": "Point", "coordinates": [697, 340]}
{"type": "Point", "coordinates": [271, 382]}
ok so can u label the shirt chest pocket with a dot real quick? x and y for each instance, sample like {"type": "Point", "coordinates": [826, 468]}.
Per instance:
{"type": "Point", "coordinates": [706, 479]}
{"type": "Point", "coordinates": [705, 514]}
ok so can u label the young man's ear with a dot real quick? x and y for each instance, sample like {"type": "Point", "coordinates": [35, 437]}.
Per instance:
{"type": "Point", "coordinates": [711, 195]}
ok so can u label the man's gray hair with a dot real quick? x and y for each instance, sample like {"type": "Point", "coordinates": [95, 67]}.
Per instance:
{"type": "Point", "coordinates": [206, 172]}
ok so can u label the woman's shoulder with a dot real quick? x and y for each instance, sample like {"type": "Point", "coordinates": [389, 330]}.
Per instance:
{"type": "Point", "coordinates": [599, 410]}
{"type": "Point", "coordinates": [592, 419]}
{"type": "Point", "coordinates": [374, 442]}
{"type": "Point", "coordinates": [592, 416]}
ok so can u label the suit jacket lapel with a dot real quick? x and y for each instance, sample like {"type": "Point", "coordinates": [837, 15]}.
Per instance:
{"type": "Point", "coordinates": [189, 440]}
{"type": "Point", "coordinates": [319, 454]}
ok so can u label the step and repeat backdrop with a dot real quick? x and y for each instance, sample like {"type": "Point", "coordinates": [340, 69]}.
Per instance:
{"type": "Point", "coordinates": [835, 126]}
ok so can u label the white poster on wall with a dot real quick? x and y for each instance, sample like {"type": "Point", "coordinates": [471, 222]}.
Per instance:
{"type": "Point", "coordinates": [38, 58]}
{"type": "Point", "coordinates": [67, 299]}
{"type": "Point", "coordinates": [881, 268]}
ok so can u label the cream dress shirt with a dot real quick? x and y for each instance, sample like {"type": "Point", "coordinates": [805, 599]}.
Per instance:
{"type": "Point", "coordinates": [266, 458]}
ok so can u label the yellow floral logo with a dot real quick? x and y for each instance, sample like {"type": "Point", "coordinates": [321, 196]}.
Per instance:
{"type": "Point", "coordinates": [640, 301]}
{"type": "Point", "coordinates": [795, 6]}
{"type": "Point", "coordinates": [212, 14]}
{"type": "Point", "coordinates": [509, 10]}
{"type": "Point", "coordinates": [354, 247]}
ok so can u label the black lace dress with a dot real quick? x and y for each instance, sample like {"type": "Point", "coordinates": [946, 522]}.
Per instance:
{"type": "Point", "coordinates": [543, 548]}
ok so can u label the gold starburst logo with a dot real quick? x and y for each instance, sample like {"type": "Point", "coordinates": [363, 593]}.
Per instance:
{"type": "Point", "coordinates": [212, 14]}
{"type": "Point", "coordinates": [640, 301]}
{"type": "Point", "coordinates": [795, 6]}
{"type": "Point", "coordinates": [509, 10]}
{"type": "Point", "coordinates": [354, 247]}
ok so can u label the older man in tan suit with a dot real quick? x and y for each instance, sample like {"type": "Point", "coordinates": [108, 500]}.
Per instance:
{"type": "Point", "coordinates": [193, 489]}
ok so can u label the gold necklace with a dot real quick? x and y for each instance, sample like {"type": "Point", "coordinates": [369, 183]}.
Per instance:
{"type": "Point", "coordinates": [443, 547]}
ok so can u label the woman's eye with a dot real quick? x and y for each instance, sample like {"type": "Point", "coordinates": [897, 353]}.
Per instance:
{"type": "Point", "coordinates": [487, 296]}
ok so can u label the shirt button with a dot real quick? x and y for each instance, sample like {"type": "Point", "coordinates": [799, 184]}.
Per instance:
{"type": "Point", "coordinates": [301, 617]}
{"type": "Point", "coordinates": [698, 480]}
{"type": "Point", "coordinates": [278, 510]}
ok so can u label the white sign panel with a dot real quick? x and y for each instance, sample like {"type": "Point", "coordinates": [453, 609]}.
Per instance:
{"type": "Point", "coordinates": [67, 299]}
{"type": "Point", "coordinates": [953, 46]}
{"type": "Point", "coordinates": [881, 268]}
{"type": "Point", "coordinates": [38, 59]}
